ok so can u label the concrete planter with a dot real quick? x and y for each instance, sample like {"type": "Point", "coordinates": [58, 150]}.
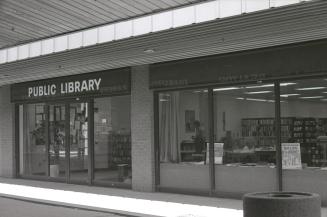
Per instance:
{"type": "Point", "coordinates": [281, 204]}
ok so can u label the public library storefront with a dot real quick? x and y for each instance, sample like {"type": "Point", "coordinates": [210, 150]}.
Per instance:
{"type": "Point", "coordinates": [218, 125]}
{"type": "Point", "coordinates": [243, 122]}
{"type": "Point", "coordinates": [75, 129]}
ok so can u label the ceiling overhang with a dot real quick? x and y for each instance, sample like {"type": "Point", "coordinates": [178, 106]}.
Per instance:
{"type": "Point", "coordinates": [26, 21]}
{"type": "Point", "coordinates": [299, 23]}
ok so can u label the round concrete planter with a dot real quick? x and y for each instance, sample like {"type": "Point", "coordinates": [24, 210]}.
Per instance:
{"type": "Point", "coordinates": [281, 204]}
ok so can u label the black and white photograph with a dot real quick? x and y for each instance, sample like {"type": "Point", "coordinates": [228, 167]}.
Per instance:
{"type": "Point", "coordinates": [168, 108]}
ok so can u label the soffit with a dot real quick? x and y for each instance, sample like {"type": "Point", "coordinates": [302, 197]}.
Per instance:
{"type": "Point", "coordinates": [22, 21]}
{"type": "Point", "coordinates": [294, 24]}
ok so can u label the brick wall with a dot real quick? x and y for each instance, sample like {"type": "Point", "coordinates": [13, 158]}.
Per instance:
{"type": "Point", "coordinates": [143, 163]}
{"type": "Point", "coordinates": [6, 133]}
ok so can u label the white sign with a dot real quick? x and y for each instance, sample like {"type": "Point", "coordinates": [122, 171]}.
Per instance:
{"type": "Point", "coordinates": [219, 153]}
{"type": "Point", "coordinates": [64, 88]}
{"type": "Point", "coordinates": [291, 156]}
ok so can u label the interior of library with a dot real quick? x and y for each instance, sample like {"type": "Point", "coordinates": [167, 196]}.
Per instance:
{"type": "Point", "coordinates": [244, 131]}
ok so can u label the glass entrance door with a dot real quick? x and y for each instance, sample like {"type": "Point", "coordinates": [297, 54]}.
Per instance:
{"type": "Point", "coordinates": [57, 141]}
{"type": "Point", "coordinates": [78, 147]}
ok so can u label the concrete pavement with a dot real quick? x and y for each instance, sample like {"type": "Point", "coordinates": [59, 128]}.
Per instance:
{"type": "Point", "coordinates": [19, 208]}
{"type": "Point", "coordinates": [108, 201]}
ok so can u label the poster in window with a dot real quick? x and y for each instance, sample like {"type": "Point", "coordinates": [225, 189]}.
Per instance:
{"type": "Point", "coordinates": [291, 156]}
{"type": "Point", "coordinates": [219, 153]}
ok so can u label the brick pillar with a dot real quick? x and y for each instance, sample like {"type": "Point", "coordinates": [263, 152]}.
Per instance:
{"type": "Point", "coordinates": [6, 133]}
{"type": "Point", "coordinates": [143, 163]}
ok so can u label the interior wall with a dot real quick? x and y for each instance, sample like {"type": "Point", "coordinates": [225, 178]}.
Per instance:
{"type": "Point", "coordinates": [235, 110]}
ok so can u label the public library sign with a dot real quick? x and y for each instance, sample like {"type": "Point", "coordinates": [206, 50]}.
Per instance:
{"type": "Point", "coordinates": [94, 84]}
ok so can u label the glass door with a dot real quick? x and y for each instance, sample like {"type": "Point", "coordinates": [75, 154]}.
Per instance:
{"type": "Point", "coordinates": [78, 144]}
{"type": "Point", "coordinates": [57, 141]}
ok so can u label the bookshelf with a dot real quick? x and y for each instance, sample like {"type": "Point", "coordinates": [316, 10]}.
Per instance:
{"type": "Point", "coordinates": [300, 130]}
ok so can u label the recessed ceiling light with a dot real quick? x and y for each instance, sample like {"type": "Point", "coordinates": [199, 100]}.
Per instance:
{"type": "Point", "coordinates": [311, 97]}
{"type": "Point", "coordinates": [311, 88]}
{"type": "Point", "coordinates": [149, 51]}
{"type": "Point", "coordinates": [258, 92]}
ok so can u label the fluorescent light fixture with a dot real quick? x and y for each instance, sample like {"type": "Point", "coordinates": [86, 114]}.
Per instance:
{"type": "Point", "coordinates": [311, 97]}
{"type": "Point", "coordinates": [311, 88]}
{"type": "Point", "coordinates": [163, 100]}
{"type": "Point", "coordinates": [289, 94]}
{"type": "Point", "coordinates": [226, 88]}
{"type": "Point", "coordinates": [258, 92]}
{"type": "Point", "coordinates": [323, 99]}
{"type": "Point", "coordinates": [287, 84]}
{"type": "Point", "coordinates": [260, 86]}
{"type": "Point", "coordinates": [258, 100]}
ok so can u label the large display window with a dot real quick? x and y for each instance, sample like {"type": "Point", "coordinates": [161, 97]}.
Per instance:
{"type": "Point", "coordinates": [304, 134]}
{"type": "Point", "coordinates": [112, 139]}
{"type": "Point", "coordinates": [183, 139]}
{"type": "Point", "coordinates": [244, 138]}
{"type": "Point", "coordinates": [223, 138]}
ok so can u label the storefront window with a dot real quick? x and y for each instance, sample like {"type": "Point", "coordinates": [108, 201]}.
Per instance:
{"type": "Point", "coordinates": [304, 124]}
{"type": "Point", "coordinates": [32, 140]}
{"type": "Point", "coordinates": [244, 138]}
{"type": "Point", "coordinates": [112, 139]}
{"type": "Point", "coordinates": [183, 139]}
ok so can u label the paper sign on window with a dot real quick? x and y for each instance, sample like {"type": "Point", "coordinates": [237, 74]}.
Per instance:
{"type": "Point", "coordinates": [219, 153]}
{"type": "Point", "coordinates": [291, 156]}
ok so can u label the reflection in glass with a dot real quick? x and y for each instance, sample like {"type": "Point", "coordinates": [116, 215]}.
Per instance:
{"type": "Point", "coordinates": [79, 157]}
{"type": "Point", "coordinates": [112, 139]}
{"type": "Point", "coordinates": [32, 140]}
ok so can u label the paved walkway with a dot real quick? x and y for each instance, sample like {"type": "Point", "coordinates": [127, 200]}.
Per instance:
{"type": "Point", "coordinates": [19, 208]}
{"type": "Point", "coordinates": [120, 201]}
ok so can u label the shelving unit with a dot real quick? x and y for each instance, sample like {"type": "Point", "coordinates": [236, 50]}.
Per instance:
{"type": "Point", "coordinates": [188, 152]}
{"type": "Point", "coordinates": [300, 130]}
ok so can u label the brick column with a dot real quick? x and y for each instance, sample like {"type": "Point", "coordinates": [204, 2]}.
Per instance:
{"type": "Point", "coordinates": [6, 133]}
{"type": "Point", "coordinates": [143, 163]}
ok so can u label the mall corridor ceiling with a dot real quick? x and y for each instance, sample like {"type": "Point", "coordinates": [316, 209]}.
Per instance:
{"type": "Point", "coordinates": [23, 21]}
